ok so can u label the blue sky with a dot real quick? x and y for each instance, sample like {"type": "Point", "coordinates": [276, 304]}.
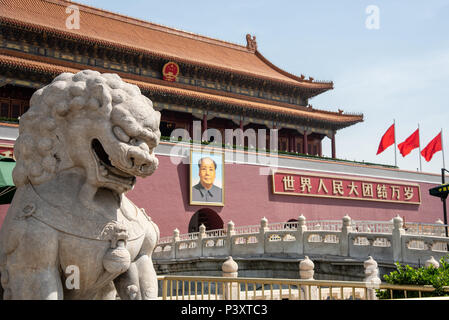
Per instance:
{"type": "Point", "coordinates": [399, 71]}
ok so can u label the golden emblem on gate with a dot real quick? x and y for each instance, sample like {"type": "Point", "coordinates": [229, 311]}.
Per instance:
{"type": "Point", "coordinates": [170, 71]}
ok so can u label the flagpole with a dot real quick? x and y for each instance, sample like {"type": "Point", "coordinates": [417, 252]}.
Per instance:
{"type": "Point", "coordinates": [442, 148]}
{"type": "Point", "coordinates": [395, 152]}
{"type": "Point", "coordinates": [419, 146]}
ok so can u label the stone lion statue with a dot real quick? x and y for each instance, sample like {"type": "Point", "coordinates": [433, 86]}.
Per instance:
{"type": "Point", "coordinates": [70, 232]}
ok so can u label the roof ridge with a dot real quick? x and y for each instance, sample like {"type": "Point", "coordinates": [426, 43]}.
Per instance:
{"type": "Point", "coordinates": [339, 112]}
{"type": "Point", "coordinates": [151, 25]}
{"type": "Point", "coordinates": [288, 74]}
{"type": "Point", "coordinates": [342, 114]}
{"type": "Point", "coordinates": [140, 49]}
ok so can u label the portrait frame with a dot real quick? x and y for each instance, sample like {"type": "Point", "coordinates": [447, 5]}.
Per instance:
{"type": "Point", "coordinates": [194, 179]}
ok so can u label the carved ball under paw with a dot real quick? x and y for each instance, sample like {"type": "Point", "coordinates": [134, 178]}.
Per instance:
{"type": "Point", "coordinates": [117, 260]}
{"type": "Point", "coordinates": [132, 291]}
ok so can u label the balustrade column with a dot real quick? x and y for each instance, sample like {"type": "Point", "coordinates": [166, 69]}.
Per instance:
{"type": "Point", "coordinates": [230, 233]}
{"type": "Point", "coordinates": [397, 233]}
{"type": "Point", "coordinates": [263, 229]}
{"type": "Point", "coordinates": [440, 231]}
{"type": "Point", "coordinates": [201, 236]}
{"type": "Point", "coordinates": [202, 231]}
{"type": "Point", "coordinates": [346, 229]}
{"type": "Point", "coordinates": [300, 233]}
{"type": "Point", "coordinates": [175, 241]}
{"type": "Point", "coordinates": [432, 262]}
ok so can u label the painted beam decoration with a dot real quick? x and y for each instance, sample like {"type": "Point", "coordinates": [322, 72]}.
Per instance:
{"type": "Point", "coordinates": [342, 187]}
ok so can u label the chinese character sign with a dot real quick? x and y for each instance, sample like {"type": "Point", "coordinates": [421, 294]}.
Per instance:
{"type": "Point", "coordinates": [7, 151]}
{"type": "Point", "coordinates": [328, 186]}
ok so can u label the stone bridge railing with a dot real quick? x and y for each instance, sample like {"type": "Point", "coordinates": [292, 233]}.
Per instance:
{"type": "Point", "coordinates": [389, 241]}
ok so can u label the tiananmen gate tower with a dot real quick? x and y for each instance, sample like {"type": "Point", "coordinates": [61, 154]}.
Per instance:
{"type": "Point", "coordinates": [192, 79]}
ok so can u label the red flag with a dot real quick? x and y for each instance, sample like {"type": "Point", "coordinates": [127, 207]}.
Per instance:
{"type": "Point", "coordinates": [409, 144]}
{"type": "Point", "coordinates": [433, 147]}
{"type": "Point", "coordinates": [387, 140]}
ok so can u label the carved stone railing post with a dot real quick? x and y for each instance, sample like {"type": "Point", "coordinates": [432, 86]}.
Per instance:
{"type": "Point", "coordinates": [175, 243]}
{"type": "Point", "coordinates": [176, 235]}
{"type": "Point", "coordinates": [202, 231]}
{"type": "Point", "coordinates": [231, 230]}
{"type": "Point", "coordinates": [262, 230]}
{"type": "Point", "coordinates": [432, 262]}
{"type": "Point", "coordinates": [201, 236]}
{"type": "Point", "coordinates": [306, 272]}
{"type": "Point", "coordinates": [440, 232]}
{"type": "Point", "coordinates": [344, 236]}
{"type": "Point", "coordinates": [230, 233]}
{"type": "Point", "coordinates": [397, 233]}
{"type": "Point", "coordinates": [230, 270]}
{"type": "Point", "coordinates": [372, 279]}
{"type": "Point", "coordinates": [300, 233]}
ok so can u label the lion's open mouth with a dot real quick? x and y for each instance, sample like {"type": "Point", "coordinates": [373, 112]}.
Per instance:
{"type": "Point", "coordinates": [106, 168]}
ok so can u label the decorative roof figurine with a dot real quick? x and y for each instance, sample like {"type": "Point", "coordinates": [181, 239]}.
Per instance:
{"type": "Point", "coordinates": [251, 43]}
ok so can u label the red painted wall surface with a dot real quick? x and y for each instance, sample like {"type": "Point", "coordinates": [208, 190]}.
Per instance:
{"type": "Point", "coordinates": [249, 197]}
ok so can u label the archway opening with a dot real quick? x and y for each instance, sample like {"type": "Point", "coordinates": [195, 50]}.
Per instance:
{"type": "Point", "coordinates": [206, 216]}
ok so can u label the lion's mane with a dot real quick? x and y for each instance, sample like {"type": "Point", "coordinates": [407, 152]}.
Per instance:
{"type": "Point", "coordinates": [40, 147]}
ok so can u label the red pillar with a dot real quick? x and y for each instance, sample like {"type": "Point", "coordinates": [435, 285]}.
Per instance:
{"type": "Point", "coordinates": [320, 150]}
{"type": "Point", "coordinates": [304, 144]}
{"type": "Point", "coordinates": [190, 129]}
{"type": "Point", "coordinates": [333, 146]}
{"type": "Point", "coordinates": [204, 124]}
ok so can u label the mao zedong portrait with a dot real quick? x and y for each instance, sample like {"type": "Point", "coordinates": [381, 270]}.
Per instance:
{"type": "Point", "coordinates": [206, 190]}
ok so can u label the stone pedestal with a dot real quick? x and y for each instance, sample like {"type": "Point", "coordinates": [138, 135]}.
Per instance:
{"type": "Point", "coordinates": [306, 272]}
{"type": "Point", "coordinates": [371, 278]}
{"type": "Point", "coordinates": [231, 289]}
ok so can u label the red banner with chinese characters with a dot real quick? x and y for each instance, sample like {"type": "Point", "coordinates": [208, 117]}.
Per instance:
{"type": "Point", "coordinates": [7, 150]}
{"type": "Point", "coordinates": [341, 187]}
